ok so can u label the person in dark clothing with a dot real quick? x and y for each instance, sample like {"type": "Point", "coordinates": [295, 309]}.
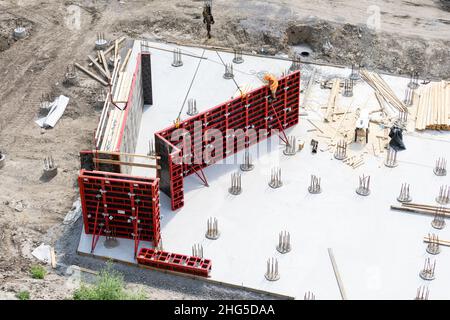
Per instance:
{"type": "Point", "coordinates": [208, 18]}
{"type": "Point", "coordinates": [396, 136]}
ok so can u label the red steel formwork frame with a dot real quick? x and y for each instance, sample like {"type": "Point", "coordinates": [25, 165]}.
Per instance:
{"type": "Point", "coordinates": [251, 111]}
{"type": "Point", "coordinates": [174, 262]}
{"type": "Point", "coordinates": [118, 205]}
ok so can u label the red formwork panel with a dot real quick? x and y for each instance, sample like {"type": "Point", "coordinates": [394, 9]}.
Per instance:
{"type": "Point", "coordinates": [174, 262]}
{"type": "Point", "coordinates": [118, 205]}
{"type": "Point", "coordinates": [251, 111]}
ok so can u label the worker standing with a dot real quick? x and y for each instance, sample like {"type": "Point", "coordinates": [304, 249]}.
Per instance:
{"type": "Point", "coordinates": [208, 17]}
{"type": "Point", "coordinates": [273, 84]}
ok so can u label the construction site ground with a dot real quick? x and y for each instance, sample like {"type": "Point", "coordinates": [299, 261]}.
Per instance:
{"type": "Point", "coordinates": [32, 209]}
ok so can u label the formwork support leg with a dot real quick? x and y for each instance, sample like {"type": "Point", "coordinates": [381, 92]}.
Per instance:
{"type": "Point", "coordinates": [136, 232]}
{"type": "Point", "coordinates": [202, 177]}
{"type": "Point", "coordinates": [285, 140]}
{"type": "Point", "coordinates": [95, 236]}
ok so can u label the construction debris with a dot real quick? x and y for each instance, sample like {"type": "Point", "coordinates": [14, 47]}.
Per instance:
{"type": "Point", "coordinates": [43, 253]}
{"type": "Point", "coordinates": [57, 108]}
{"type": "Point", "coordinates": [382, 88]}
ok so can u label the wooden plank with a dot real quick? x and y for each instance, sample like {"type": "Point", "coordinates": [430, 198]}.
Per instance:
{"type": "Point", "coordinates": [125, 61]}
{"type": "Point", "coordinates": [99, 67]}
{"type": "Point", "coordinates": [126, 154]}
{"type": "Point", "coordinates": [337, 274]}
{"type": "Point", "coordinates": [105, 65]}
{"type": "Point", "coordinates": [95, 77]}
{"type": "Point", "coordinates": [53, 257]}
{"type": "Point", "coordinates": [123, 163]}
{"type": "Point", "coordinates": [417, 210]}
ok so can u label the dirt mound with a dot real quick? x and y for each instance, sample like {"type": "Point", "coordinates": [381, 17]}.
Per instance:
{"type": "Point", "coordinates": [347, 44]}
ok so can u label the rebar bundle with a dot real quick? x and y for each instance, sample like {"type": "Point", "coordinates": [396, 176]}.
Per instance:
{"type": "Point", "coordinates": [284, 242]}
{"type": "Point", "coordinates": [19, 31]}
{"type": "Point", "coordinates": [290, 148]}
{"type": "Point", "coordinates": [238, 56]}
{"type": "Point", "coordinates": [444, 195]}
{"type": "Point", "coordinates": [348, 88]}
{"type": "Point", "coordinates": [422, 293]}
{"type": "Point", "coordinates": [391, 158]}
{"type": "Point", "coordinates": [314, 186]}
{"type": "Point", "coordinates": [341, 150]}
{"type": "Point", "coordinates": [440, 167]}
{"type": "Point", "coordinates": [192, 107]}
{"type": "Point", "coordinates": [247, 165]}
{"type": "Point", "coordinates": [101, 41]}
{"type": "Point", "coordinates": [49, 163]}
{"type": "Point", "coordinates": [414, 81]}
{"type": "Point", "coordinates": [272, 273]}
{"type": "Point", "coordinates": [354, 75]}
{"type": "Point", "coordinates": [438, 221]}
{"type": "Point", "coordinates": [296, 63]}
{"type": "Point", "coordinates": [151, 148]}
{"type": "Point", "coordinates": [236, 187]}
{"type": "Point", "coordinates": [197, 250]}
{"type": "Point", "coordinates": [177, 62]}
{"type": "Point", "coordinates": [364, 184]}
{"type": "Point", "coordinates": [404, 195]}
{"type": "Point", "coordinates": [212, 229]}
{"type": "Point", "coordinates": [309, 296]}
{"type": "Point", "coordinates": [228, 71]}
{"type": "Point", "coordinates": [402, 118]}
{"type": "Point", "coordinates": [427, 273]}
{"type": "Point", "coordinates": [408, 97]}
{"type": "Point", "coordinates": [275, 178]}
{"type": "Point", "coordinates": [70, 75]}
{"type": "Point", "coordinates": [433, 244]}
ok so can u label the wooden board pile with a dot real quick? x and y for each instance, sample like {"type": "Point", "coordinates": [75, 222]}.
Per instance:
{"type": "Point", "coordinates": [433, 108]}
{"type": "Point", "coordinates": [382, 88]}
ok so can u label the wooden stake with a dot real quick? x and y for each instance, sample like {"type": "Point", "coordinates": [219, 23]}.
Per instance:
{"type": "Point", "coordinates": [91, 74]}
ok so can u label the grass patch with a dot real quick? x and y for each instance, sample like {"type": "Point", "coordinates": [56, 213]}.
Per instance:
{"type": "Point", "coordinates": [23, 295]}
{"type": "Point", "coordinates": [108, 286]}
{"type": "Point", "coordinates": [38, 272]}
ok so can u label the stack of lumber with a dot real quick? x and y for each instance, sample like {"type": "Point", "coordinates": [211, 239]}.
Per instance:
{"type": "Point", "coordinates": [382, 88]}
{"type": "Point", "coordinates": [433, 108]}
{"type": "Point", "coordinates": [100, 63]}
